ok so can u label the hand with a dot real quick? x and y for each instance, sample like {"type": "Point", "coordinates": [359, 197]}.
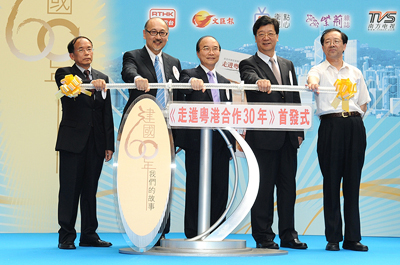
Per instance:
{"type": "Point", "coordinates": [242, 133]}
{"type": "Point", "coordinates": [142, 84]}
{"type": "Point", "coordinates": [197, 84]}
{"type": "Point", "coordinates": [108, 155]}
{"type": "Point", "coordinates": [99, 84]}
{"type": "Point", "coordinates": [300, 140]}
{"type": "Point", "coordinates": [264, 85]}
{"type": "Point", "coordinates": [178, 150]}
{"type": "Point", "coordinates": [313, 87]}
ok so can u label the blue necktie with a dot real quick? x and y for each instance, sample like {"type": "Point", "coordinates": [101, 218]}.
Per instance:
{"type": "Point", "coordinates": [160, 92]}
{"type": "Point", "coordinates": [214, 92]}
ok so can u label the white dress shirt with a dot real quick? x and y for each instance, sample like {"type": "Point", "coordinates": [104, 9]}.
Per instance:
{"type": "Point", "coordinates": [328, 74]}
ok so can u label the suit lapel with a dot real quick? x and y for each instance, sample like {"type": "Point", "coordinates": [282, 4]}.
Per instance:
{"type": "Point", "coordinates": [266, 69]}
{"type": "Point", "coordinates": [78, 72]}
{"type": "Point", "coordinates": [167, 67]}
{"type": "Point", "coordinates": [95, 74]}
{"type": "Point", "coordinates": [222, 92]}
{"type": "Point", "coordinates": [284, 71]}
{"type": "Point", "coordinates": [148, 63]}
{"type": "Point", "coordinates": [203, 76]}
{"type": "Point", "coordinates": [268, 72]}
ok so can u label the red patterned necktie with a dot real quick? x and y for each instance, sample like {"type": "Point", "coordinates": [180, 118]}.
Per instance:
{"type": "Point", "coordinates": [87, 75]}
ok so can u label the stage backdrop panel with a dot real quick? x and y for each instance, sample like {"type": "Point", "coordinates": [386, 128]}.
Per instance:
{"type": "Point", "coordinates": [36, 32]}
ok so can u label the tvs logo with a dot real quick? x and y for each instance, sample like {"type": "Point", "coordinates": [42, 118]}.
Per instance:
{"type": "Point", "coordinates": [202, 19]}
{"type": "Point", "coordinates": [167, 14]}
{"type": "Point", "coordinates": [379, 22]}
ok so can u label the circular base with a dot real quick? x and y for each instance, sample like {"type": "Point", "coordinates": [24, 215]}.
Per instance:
{"type": "Point", "coordinates": [182, 247]}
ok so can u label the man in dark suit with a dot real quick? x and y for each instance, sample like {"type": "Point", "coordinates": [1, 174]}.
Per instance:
{"type": "Point", "coordinates": [276, 151]}
{"type": "Point", "coordinates": [139, 65]}
{"type": "Point", "coordinates": [85, 138]}
{"type": "Point", "coordinates": [208, 50]}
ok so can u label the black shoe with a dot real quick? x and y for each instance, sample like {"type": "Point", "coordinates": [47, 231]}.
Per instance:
{"type": "Point", "coordinates": [158, 243]}
{"type": "Point", "coordinates": [97, 243]}
{"type": "Point", "coordinates": [332, 246]}
{"type": "Point", "coordinates": [66, 245]}
{"type": "Point", "coordinates": [353, 245]}
{"type": "Point", "coordinates": [269, 243]}
{"type": "Point", "coordinates": [294, 243]}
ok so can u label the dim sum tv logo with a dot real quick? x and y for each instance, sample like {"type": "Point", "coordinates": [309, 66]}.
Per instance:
{"type": "Point", "coordinates": [202, 19]}
{"type": "Point", "coordinates": [379, 21]}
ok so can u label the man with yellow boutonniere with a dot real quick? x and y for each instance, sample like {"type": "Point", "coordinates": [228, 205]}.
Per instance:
{"type": "Point", "coordinates": [85, 139]}
{"type": "Point", "coordinates": [341, 139]}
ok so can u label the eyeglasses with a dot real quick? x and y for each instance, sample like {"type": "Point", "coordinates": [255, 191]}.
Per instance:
{"type": "Point", "coordinates": [208, 49]}
{"type": "Point", "coordinates": [155, 32]}
{"type": "Point", "coordinates": [329, 42]}
{"type": "Point", "coordinates": [269, 35]}
{"type": "Point", "coordinates": [89, 50]}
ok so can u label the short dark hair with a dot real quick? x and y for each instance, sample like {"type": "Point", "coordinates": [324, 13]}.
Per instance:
{"type": "Point", "coordinates": [147, 22]}
{"type": "Point", "coordinates": [198, 42]}
{"type": "Point", "coordinates": [344, 36]}
{"type": "Point", "coordinates": [71, 44]}
{"type": "Point", "coordinates": [265, 20]}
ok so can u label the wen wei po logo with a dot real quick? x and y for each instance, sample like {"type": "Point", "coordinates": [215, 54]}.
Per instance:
{"type": "Point", "coordinates": [202, 19]}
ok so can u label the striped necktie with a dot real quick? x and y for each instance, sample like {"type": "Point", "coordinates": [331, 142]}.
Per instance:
{"type": "Point", "coordinates": [160, 92]}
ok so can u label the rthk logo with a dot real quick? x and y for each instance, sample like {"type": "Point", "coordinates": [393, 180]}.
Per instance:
{"type": "Point", "coordinates": [167, 14]}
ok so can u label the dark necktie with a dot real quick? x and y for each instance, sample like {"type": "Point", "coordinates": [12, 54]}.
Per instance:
{"type": "Point", "coordinates": [87, 75]}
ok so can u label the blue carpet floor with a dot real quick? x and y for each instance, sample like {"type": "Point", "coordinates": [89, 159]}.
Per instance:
{"type": "Point", "coordinates": [42, 249]}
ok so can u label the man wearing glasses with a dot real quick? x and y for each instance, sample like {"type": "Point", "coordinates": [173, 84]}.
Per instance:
{"type": "Point", "coordinates": [151, 65]}
{"type": "Point", "coordinates": [276, 151]}
{"type": "Point", "coordinates": [341, 142]}
{"type": "Point", "coordinates": [208, 51]}
{"type": "Point", "coordinates": [85, 139]}
{"type": "Point", "coordinates": [140, 66]}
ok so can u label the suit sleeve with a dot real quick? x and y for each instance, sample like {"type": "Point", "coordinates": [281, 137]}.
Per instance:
{"type": "Point", "coordinates": [60, 75]}
{"type": "Point", "coordinates": [296, 96]}
{"type": "Point", "coordinates": [179, 66]}
{"type": "Point", "coordinates": [129, 68]}
{"type": "Point", "coordinates": [177, 93]}
{"type": "Point", "coordinates": [184, 78]}
{"type": "Point", "coordinates": [108, 120]}
{"type": "Point", "coordinates": [248, 72]}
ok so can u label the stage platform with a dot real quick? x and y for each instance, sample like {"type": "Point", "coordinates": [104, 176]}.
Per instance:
{"type": "Point", "coordinates": [41, 249]}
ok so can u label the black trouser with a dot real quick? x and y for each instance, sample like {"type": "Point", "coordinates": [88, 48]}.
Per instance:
{"type": "Point", "coordinates": [341, 151]}
{"type": "Point", "coordinates": [79, 176]}
{"type": "Point", "coordinates": [219, 188]}
{"type": "Point", "coordinates": [277, 168]}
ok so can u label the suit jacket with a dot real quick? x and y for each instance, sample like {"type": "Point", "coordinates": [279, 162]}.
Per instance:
{"type": "Point", "coordinates": [81, 114]}
{"type": "Point", "coordinates": [192, 136]}
{"type": "Point", "coordinates": [253, 69]}
{"type": "Point", "coordinates": [138, 62]}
